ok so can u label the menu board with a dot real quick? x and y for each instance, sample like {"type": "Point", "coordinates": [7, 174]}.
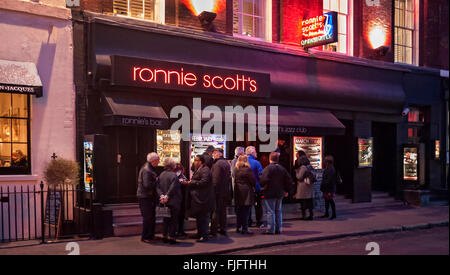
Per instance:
{"type": "Point", "coordinates": [168, 145]}
{"type": "Point", "coordinates": [365, 152]}
{"type": "Point", "coordinates": [312, 146]}
{"type": "Point", "coordinates": [88, 165]}
{"type": "Point", "coordinates": [410, 163]}
{"type": "Point", "coordinates": [199, 143]}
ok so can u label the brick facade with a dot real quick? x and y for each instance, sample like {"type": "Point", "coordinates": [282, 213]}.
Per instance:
{"type": "Point", "coordinates": [287, 16]}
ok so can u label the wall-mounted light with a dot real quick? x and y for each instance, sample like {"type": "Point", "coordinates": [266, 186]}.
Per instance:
{"type": "Point", "coordinates": [377, 37]}
{"type": "Point", "coordinates": [206, 19]}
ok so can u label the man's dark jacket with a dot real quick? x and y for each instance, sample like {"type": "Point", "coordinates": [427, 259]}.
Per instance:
{"type": "Point", "coordinates": [201, 193]}
{"type": "Point", "coordinates": [221, 178]}
{"type": "Point", "coordinates": [275, 181]}
{"type": "Point", "coordinates": [147, 182]}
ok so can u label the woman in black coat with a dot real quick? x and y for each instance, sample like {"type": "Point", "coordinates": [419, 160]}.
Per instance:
{"type": "Point", "coordinates": [328, 186]}
{"type": "Point", "coordinates": [169, 192]}
{"type": "Point", "coordinates": [244, 193]}
{"type": "Point", "coordinates": [202, 197]}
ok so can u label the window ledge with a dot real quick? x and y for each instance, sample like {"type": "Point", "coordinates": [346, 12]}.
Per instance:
{"type": "Point", "coordinates": [21, 178]}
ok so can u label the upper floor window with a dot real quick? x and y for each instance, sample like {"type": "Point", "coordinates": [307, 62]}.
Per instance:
{"type": "Point", "coordinates": [404, 31]}
{"type": "Point", "coordinates": [14, 134]}
{"type": "Point", "coordinates": [253, 18]}
{"type": "Point", "coordinates": [143, 9]}
{"type": "Point", "coordinates": [342, 7]}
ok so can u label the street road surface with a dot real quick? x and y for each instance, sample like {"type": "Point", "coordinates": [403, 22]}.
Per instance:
{"type": "Point", "coordinates": [432, 241]}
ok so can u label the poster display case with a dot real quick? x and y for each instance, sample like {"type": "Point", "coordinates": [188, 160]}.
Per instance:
{"type": "Point", "coordinates": [199, 143]}
{"type": "Point", "coordinates": [411, 163]}
{"type": "Point", "coordinates": [365, 152]}
{"type": "Point", "coordinates": [313, 147]}
{"type": "Point", "coordinates": [88, 152]}
{"type": "Point", "coordinates": [168, 145]}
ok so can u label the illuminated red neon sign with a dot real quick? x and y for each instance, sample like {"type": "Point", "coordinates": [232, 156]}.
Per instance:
{"type": "Point", "coordinates": [319, 30]}
{"type": "Point", "coordinates": [128, 71]}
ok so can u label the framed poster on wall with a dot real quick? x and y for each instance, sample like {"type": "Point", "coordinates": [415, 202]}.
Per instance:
{"type": "Point", "coordinates": [312, 146]}
{"type": "Point", "coordinates": [411, 163]}
{"type": "Point", "coordinates": [365, 152]}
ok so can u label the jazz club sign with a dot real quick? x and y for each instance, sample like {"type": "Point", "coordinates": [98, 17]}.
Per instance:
{"type": "Point", "coordinates": [319, 30]}
{"type": "Point", "coordinates": [157, 74]}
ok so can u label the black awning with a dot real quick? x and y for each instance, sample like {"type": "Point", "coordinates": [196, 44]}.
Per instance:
{"type": "Point", "coordinates": [19, 78]}
{"type": "Point", "coordinates": [309, 122]}
{"type": "Point", "coordinates": [298, 121]}
{"type": "Point", "coordinates": [133, 110]}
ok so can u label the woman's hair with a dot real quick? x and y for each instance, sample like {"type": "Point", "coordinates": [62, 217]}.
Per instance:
{"type": "Point", "coordinates": [201, 158]}
{"type": "Point", "coordinates": [179, 167]}
{"type": "Point", "coordinates": [238, 151]}
{"type": "Point", "coordinates": [303, 160]}
{"type": "Point", "coordinates": [301, 153]}
{"type": "Point", "coordinates": [242, 162]}
{"type": "Point", "coordinates": [169, 164]}
{"type": "Point", "coordinates": [329, 160]}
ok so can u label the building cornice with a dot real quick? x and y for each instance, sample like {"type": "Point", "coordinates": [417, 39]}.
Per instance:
{"type": "Point", "coordinates": [37, 9]}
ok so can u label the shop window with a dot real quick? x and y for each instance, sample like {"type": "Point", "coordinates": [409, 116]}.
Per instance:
{"type": "Point", "coordinates": [404, 31]}
{"type": "Point", "coordinates": [342, 7]}
{"type": "Point", "coordinates": [252, 19]}
{"type": "Point", "coordinates": [14, 134]}
{"type": "Point", "coordinates": [142, 9]}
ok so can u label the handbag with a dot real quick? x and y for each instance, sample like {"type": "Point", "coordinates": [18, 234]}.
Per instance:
{"type": "Point", "coordinates": [162, 211]}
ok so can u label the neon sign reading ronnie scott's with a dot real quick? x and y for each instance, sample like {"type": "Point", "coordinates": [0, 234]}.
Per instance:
{"type": "Point", "coordinates": [128, 71]}
{"type": "Point", "coordinates": [319, 30]}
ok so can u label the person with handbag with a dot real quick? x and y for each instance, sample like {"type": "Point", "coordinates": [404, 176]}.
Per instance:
{"type": "Point", "coordinates": [169, 192]}
{"type": "Point", "coordinates": [201, 197]}
{"type": "Point", "coordinates": [147, 196]}
{"type": "Point", "coordinates": [328, 186]}
{"type": "Point", "coordinates": [305, 187]}
{"type": "Point", "coordinates": [244, 193]}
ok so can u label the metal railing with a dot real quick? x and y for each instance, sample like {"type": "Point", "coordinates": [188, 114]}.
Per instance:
{"type": "Point", "coordinates": [44, 212]}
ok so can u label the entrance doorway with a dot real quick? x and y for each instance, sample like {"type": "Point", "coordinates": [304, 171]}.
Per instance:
{"type": "Point", "coordinates": [129, 147]}
{"type": "Point", "coordinates": [383, 171]}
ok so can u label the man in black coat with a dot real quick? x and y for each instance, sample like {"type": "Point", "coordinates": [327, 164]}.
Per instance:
{"type": "Point", "coordinates": [202, 197]}
{"type": "Point", "coordinates": [147, 196]}
{"type": "Point", "coordinates": [275, 182]}
{"type": "Point", "coordinates": [209, 161]}
{"type": "Point", "coordinates": [221, 178]}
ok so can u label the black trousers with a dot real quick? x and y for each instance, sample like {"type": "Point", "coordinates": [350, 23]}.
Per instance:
{"type": "Point", "coordinates": [242, 213]}
{"type": "Point", "coordinates": [202, 220]}
{"type": "Point", "coordinates": [219, 216]}
{"type": "Point", "coordinates": [170, 225]}
{"type": "Point", "coordinates": [147, 206]}
{"type": "Point", "coordinates": [258, 210]}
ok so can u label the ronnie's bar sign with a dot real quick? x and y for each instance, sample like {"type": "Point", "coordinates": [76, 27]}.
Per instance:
{"type": "Point", "coordinates": [157, 74]}
{"type": "Point", "coordinates": [319, 30]}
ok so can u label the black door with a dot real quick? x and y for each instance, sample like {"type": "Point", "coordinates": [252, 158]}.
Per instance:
{"type": "Point", "coordinates": [384, 142]}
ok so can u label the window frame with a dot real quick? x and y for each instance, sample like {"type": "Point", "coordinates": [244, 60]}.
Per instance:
{"type": "Point", "coordinates": [267, 21]}
{"type": "Point", "coordinates": [159, 13]}
{"type": "Point", "coordinates": [20, 170]}
{"type": "Point", "coordinates": [349, 27]}
{"type": "Point", "coordinates": [414, 33]}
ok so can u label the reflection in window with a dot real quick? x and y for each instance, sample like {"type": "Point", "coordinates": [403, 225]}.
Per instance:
{"type": "Point", "coordinates": [249, 18]}
{"type": "Point", "coordinates": [14, 133]}
{"type": "Point", "coordinates": [341, 7]}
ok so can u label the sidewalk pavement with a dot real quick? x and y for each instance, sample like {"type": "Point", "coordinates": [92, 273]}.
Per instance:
{"type": "Point", "coordinates": [350, 222]}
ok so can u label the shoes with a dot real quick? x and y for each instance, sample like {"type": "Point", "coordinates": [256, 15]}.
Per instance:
{"type": "Point", "coordinates": [246, 232]}
{"type": "Point", "coordinates": [277, 232]}
{"type": "Point", "coordinates": [182, 234]}
{"type": "Point", "coordinates": [310, 218]}
{"type": "Point", "coordinates": [146, 241]}
{"type": "Point", "coordinates": [212, 234]}
{"type": "Point", "coordinates": [223, 233]}
{"type": "Point", "coordinates": [203, 240]}
{"type": "Point", "coordinates": [302, 218]}
{"type": "Point", "coordinates": [172, 241]}
{"type": "Point", "coordinates": [165, 240]}
{"type": "Point", "coordinates": [324, 216]}
{"type": "Point", "coordinates": [333, 217]}
{"type": "Point", "coordinates": [238, 230]}
{"type": "Point", "coordinates": [268, 233]}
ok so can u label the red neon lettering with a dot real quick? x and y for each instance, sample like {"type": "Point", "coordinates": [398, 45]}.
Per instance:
{"type": "Point", "coordinates": [190, 77]}
{"type": "Point", "coordinates": [253, 87]}
{"type": "Point", "coordinates": [134, 72]}
{"type": "Point", "coordinates": [161, 71]}
{"type": "Point", "coordinates": [225, 83]}
{"type": "Point", "coordinates": [178, 76]}
{"type": "Point", "coordinates": [206, 81]}
{"type": "Point", "coordinates": [146, 70]}
{"type": "Point", "coordinates": [213, 82]}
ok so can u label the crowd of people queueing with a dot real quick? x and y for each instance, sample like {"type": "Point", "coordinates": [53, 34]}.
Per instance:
{"type": "Point", "coordinates": [215, 182]}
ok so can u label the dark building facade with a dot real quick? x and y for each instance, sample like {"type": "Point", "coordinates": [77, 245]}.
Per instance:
{"type": "Point", "coordinates": [348, 99]}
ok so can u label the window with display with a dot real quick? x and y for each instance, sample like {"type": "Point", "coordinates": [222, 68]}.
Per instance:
{"type": "Point", "coordinates": [343, 10]}
{"type": "Point", "coordinates": [14, 134]}
{"type": "Point", "coordinates": [404, 31]}
{"type": "Point", "coordinates": [168, 145]}
{"type": "Point", "coordinates": [252, 18]}
{"type": "Point", "coordinates": [143, 9]}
